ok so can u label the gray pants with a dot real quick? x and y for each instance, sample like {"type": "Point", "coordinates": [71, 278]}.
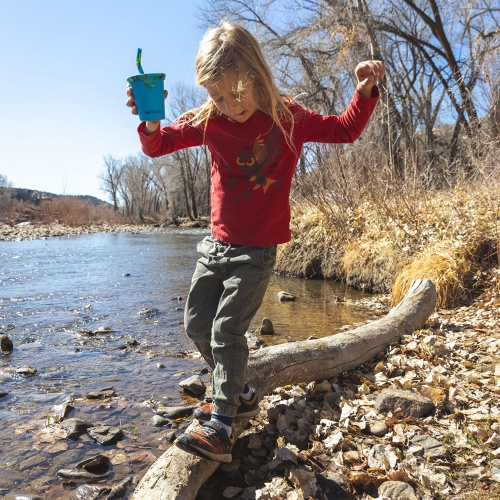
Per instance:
{"type": "Point", "coordinates": [227, 289]}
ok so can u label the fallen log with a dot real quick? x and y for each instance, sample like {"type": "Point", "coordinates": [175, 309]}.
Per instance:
{"type": "Point", "coordinates": [179, 475]}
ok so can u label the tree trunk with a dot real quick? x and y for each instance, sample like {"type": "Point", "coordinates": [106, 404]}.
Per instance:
{"type": "Point", "coordinates": [179, 475]}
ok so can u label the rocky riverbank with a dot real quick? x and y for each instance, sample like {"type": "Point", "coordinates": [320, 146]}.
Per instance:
{"type": "Point", "coordinates": [32, 231]}
{"type": "Point", "coordinates": [420, 422]}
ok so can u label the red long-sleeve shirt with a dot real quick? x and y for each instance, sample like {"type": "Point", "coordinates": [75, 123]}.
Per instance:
{"type": "Point", "coordinates": [252, 166]}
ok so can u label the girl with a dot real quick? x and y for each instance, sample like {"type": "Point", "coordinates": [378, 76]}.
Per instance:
{"type": "Point", "coordinates": [255, 136]}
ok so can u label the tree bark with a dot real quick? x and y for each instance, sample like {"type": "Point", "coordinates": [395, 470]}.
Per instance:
{"type": "Point", "coordinates": [179, 475]}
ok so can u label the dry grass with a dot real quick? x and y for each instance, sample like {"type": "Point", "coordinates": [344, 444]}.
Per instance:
{"type": "Point", "coordinates": [447, 267]}
{"type": "Point", "coordinates": [370, 265]}
{"type": "Point", "coordinates": [310, 256]}
{"type": "Point", "coordinates": [381, 247]}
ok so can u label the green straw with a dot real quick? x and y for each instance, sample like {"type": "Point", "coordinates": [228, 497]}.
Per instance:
{"type": "Point", "coordinates": [138, 61]}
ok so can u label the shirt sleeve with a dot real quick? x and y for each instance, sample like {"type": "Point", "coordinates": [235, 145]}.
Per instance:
{"type": "Point", "coordinates": [169, 139]}
{"type": "Point", "coordinates": [345, 128]}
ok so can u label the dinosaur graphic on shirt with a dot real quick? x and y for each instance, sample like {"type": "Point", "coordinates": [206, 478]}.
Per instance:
{"type": "Point", "coordinates": [257, 157]}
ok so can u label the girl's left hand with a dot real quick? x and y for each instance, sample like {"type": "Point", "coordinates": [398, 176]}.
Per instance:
{"type": "Point", "coordinates": [368, 73]}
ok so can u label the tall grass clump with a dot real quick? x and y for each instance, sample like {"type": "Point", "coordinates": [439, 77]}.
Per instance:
{"type": "Point", "coordinates": [446, 265]}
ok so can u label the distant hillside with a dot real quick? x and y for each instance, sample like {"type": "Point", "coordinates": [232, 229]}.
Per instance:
{"type": "Point", "coordinates": [33, 196]}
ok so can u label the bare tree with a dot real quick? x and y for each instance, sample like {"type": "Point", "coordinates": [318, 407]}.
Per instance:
{"type": "Point", "coordinates": [192, 165]}
{"type": "Point", "coordinates": [4, 192]}
{"type": "Point", "coordinates": [435, 52]}
{"type": "Point", "coordinates": [453, 41]}
{"type": "Point", "coordinates": [110, 178]}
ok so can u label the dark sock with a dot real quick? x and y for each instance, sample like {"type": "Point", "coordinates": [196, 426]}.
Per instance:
{"type": "Point", "coordinates": [225, 421]}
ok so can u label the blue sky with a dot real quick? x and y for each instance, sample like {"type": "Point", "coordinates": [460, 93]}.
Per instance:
{"type": "Point", "coordinates": [63, 80]}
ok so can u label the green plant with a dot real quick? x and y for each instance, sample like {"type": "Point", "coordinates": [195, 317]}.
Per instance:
{"type": "Point", "coordinates": [133, 428]}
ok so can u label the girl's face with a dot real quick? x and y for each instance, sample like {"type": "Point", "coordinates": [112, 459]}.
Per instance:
{"type": "Point", "coordinates": [235, 104]}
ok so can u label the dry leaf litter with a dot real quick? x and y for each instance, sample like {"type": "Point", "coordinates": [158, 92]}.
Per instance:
{"type": "Point", "coordinates": [420, 422]}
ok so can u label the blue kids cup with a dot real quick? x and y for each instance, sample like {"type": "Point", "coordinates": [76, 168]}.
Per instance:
{"type": "Point", "coordinates": [148, 93]}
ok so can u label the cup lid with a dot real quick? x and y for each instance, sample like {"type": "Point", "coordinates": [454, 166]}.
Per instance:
{"type": "Point", "coordinates": [146, 78]}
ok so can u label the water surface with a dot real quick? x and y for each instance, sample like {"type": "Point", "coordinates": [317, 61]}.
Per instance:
{"type": "Point", "coordinates": [52, 289]}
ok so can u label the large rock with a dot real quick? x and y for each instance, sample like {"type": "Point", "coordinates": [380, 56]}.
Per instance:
{"type": "Point", "coordinates": [105, 435]}
{"type": "Point", "coordinates": [75, 427]}
{"type": "Point", "coordinates": [267, 327]}
{"type": "Point", "coordinates": [412, 405]}
{"type": "Point", "coordinates": [430, 447]}
{"type": "Point", "coordinates": [194, 385]}
{"type": "Point", "coordinates": [6, 344]}
{"type": "Point", "coordinates": [397, 490]}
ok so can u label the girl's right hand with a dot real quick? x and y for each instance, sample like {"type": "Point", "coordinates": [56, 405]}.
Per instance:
{"type": "Point", "coordinates": [130, 102]}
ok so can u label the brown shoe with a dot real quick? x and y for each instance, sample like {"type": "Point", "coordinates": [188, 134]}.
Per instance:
{"type": "Point", "coordinates": [209, 441]}
{"type": "Point", "coordinates": [246, 409]}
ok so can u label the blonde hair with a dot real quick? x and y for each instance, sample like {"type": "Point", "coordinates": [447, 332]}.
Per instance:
{"type": "Point", "coordinates": [230, 49]}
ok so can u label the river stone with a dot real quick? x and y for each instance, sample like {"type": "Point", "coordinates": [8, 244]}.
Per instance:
{"type": "Point", "coordinates": [323, 386]}
{"type": "Point", "coordinates": [267, 327]}
{"type": "Point", "coordinates": [170, 435]}
{"type": "Point", "coordinates": [97, 463]}
{"type": "Point", "coordinates": [18, 495]}
{"type": "Point", "coordinates": [285, 296]}
{"type": "Point", "coordinates": [174, 412]}
{"type": "Point", "coordinates": [88, 492]}
{"type": "Point", "coordinates": [81, 474]}
{"type": "Point", "coordinates": [432, 448]}
{"type": "Point", "coordinates": [62, 411]}
{"type": "Point", "coordinates": [413, 405]}
{"type": "Point", "coordinates": [104, 329]}
{"type": "Point", "coordinates": [75, 427]}
{"type": "Point", "coordinates": [495, 468]}
{"type": "Point", "coordinates": [6, 344]}
{"type": "Point", "coordinates": [104, 394]}
{"type": "Point", "coordinates": [119, 490]}
{"type": "Point", "coordinates": [397, 490]}
{"type": "Point", "coordinates": [3, 393]}
{"type": "Point", "coordinates": [377, 428]}
{"type": "Point", "coordinates": [148, 312]}
{"type": "Point", "coordinates": [26, 371]}
{"type": "Point", "coordinates": [194, 385]}
{"type": "Point", "coordinates": [85, 331]}
{"type": "Point", "coordinates": [31, 462]}
{"type": "Point", "coordinates": [158, 421]}
{"type": "Point", "coordinates": [105, 435]}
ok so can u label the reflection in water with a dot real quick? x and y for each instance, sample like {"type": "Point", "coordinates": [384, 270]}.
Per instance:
{"type": "Point", "coordinates": [321, 308]}
{"type": "Point", "coordinates": [52, 289]}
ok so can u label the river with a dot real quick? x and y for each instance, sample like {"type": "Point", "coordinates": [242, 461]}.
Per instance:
{"type": "Point", "coordinates": [51, 289]}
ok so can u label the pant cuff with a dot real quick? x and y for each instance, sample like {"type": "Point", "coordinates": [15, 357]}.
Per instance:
{"type": "Point", "coordinates": [224, 409]}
